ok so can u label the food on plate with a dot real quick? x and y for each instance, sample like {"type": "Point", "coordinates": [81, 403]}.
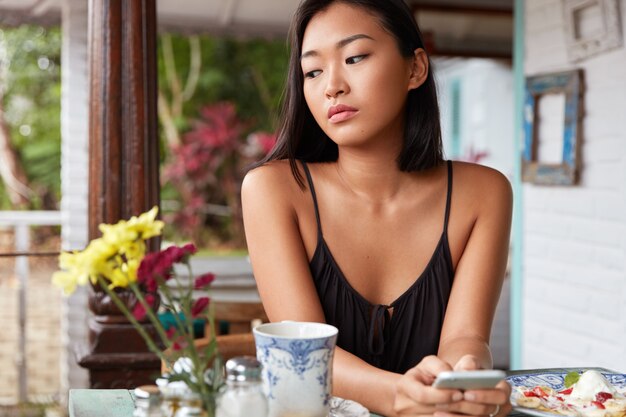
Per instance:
{"type": "Point", "coordinates": [586, 395]}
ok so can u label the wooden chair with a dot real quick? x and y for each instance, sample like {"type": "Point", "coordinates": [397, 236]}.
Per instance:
{"type": "Point", "coordinates": [229, 346]}
{"type": "Point", "coordinates": [239, 341]}
{"type": "Point", "coordinates": [239, 316]}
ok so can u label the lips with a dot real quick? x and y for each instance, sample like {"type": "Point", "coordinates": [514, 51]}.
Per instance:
{"type": "Point", "coordinates": [340, 113]}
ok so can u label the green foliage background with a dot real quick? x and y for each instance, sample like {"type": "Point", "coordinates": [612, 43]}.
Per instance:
{"type": "Point", "coordinates": [248, 72]}
{"type": "Point", "coordinates": [30, 78]}
{"type": "Point", "coordinates": [228, 73]}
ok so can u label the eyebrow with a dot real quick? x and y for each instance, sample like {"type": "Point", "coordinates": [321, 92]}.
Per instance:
{"type": "Point", "coordinates": [342, 43]}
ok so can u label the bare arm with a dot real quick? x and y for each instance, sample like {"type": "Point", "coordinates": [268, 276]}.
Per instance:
{"type": "Point", "coordinates": [478, 278]}
{"type": "Point", "coordinates": [479, 274]}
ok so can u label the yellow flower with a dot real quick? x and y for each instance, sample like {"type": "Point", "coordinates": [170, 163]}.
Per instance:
{"type": "Point", "coordinates": [130, 268]}
{"type": "Point", "coordinates": [96, 258]}
{"type": "Point", "coordinates": [67, 281]}
{"type": "Point", "coordinates": [133, 250]}
{"type": "Point", "coordinates": [115, 256]}
{"type": "Point", "coordinates": [146, 225]}
{"type": "Point", "coordinates": [75, 272]}
{"type": "Point", "coordinates": [119, 233]}
{"type": "Point", "coordinates": [118, 278]}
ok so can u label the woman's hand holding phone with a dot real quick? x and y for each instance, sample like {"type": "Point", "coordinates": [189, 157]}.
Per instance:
{"type": "Point", "coordinates": [467, 380]}
{"type": "Point", "coordinates": [433, 387]}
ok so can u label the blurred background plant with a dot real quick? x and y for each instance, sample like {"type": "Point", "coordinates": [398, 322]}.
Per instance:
{"type": "Point", "coordinates": [30, 125]}
{"type": "Point", "coordinates": [217, 98]}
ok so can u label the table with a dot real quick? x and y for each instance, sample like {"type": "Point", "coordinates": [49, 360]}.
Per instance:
{"type": "Point", "coordinates": [101, 403]}
{"type": "Point", "coordinates": [120, 402]}
{"type": "Point", "coordinates": [104, 403]}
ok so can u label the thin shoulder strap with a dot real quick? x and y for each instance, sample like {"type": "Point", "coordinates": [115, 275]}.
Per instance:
{"type": "Point", "coordinates": [314, 196]}
{"type": "Point", "coordinates": [449, 197]}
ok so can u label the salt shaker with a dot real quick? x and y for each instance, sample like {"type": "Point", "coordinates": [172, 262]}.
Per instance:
{"type": "Point", "coordinates": [147, 401]}
{"type": "Point", "coordinates": [242, 396]}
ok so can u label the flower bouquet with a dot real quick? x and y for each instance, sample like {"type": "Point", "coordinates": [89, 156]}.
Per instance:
{"type": "Point", "coordinates": [118, 263]}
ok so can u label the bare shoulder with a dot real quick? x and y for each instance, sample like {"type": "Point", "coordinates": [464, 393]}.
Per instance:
{"type": "Point", "coordinates": [271, 185]}
{"type": "Point", "coordinates": [482, 184]}
{"type": "Point", "coordinates": [274, 177]}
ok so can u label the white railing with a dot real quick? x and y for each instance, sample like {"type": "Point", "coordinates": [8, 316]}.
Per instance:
{"type": "Point", "coordinates": [21, 222]}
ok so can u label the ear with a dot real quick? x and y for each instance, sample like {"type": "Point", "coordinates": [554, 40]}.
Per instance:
{"type": "Point", "coordinates": [419, 69]}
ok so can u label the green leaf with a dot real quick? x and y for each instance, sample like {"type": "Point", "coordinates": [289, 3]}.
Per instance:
{"type": "Point", "coordinates": [571, 378]}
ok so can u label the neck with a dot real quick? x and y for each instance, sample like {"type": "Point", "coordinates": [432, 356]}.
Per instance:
{"type": "Point", "coordinates": [375, 178]}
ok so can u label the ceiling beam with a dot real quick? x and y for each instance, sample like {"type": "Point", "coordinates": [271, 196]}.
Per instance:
{"type": "Point", "coordinates": [228, 12]}
{"type": "Point", "coordinates": [468, 6]}
{"type": "Point", "coordinates": [443, 41]}
{"type": "Point", "coordinates": [41, 7]}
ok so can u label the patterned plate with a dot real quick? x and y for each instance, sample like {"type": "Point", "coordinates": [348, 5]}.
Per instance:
{"type": "Point", "coordinates": [556, 381]}
{"type": "Point", "coordinates": [346, 408]}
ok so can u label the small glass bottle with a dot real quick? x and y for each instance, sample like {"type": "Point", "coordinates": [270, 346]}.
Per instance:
{"type": "Point", "coordinates": [242, 396]}
{"type": "Point", "coordinates": [147, 401]}
{"type": "Point", "coordinates": [172, 394]}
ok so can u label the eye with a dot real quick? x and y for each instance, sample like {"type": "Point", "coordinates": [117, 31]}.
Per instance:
{"type": "Point", "coordinates": [312, 74]}
{"type": "Point", "coordinates": [355, 59]}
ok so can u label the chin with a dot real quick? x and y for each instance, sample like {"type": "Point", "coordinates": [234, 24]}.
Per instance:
{"type": "Point", "coordinates": [348, 136]}
{"type": "Point", "coordinates": [344, 141]}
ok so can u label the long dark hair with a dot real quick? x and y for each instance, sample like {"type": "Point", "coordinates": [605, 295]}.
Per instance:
{"type": "Point", "coordinates": [299, 135]}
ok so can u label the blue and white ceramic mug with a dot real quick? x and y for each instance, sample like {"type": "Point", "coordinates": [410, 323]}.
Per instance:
{"type": "Point", "coordinates": [297, 359]}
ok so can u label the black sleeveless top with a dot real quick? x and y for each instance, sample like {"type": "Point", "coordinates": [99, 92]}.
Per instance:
{"type": "Point", "coordinates": [394, 342]}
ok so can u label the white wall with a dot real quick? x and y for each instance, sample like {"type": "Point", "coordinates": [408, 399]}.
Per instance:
{"type": "Point", "coordinates": [74, 179]}
{"type": "Point", "coordinates": [486, 104]}
{"type": "Point", "coordinates": [574, 261]}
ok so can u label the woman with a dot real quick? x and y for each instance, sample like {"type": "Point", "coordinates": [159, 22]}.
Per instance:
{"type": "Point", "coordinates": [354, 219]}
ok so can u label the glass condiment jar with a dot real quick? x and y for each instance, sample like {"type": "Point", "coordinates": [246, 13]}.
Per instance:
{"type": "Point", "coordinates": [242, 395]}
{"type": "Point", "coordinates": [172, 394]}
{"type": "Point", "coordinates": [191, 406]}
{"type": "Point", "coordinates": [147, 401]}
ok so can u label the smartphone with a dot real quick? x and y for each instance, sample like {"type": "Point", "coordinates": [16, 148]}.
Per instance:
{"type": "Point", "coordinates": [465, 380]}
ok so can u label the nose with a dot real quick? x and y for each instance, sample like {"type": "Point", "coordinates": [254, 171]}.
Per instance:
{"type": "Point", "coordinates": [336, 84]}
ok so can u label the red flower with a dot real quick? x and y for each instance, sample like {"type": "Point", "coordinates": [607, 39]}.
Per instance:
{"type": "Point", "coordinates": [203, 281]}
{"type": "Point", "coordinates": [199, 306]}
{"type": "Point", "coordinates": [159, 264]}
{"type": "Point", "coordinates": [178, 339]}
{"type": "Point", "coordinates": [153, 266]}
{"type": "Point", "coordinates": [179, 345]}
{"type": "Point", "coordinates": [179, 254]}
{"type": "Point", "coordinates": [171, 332]}
{"type": "Point", "coordinates": [139, 310]}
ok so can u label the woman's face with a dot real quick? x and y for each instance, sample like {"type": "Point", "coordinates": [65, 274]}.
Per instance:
{"type": "Point", "coordinates": [355, 79]}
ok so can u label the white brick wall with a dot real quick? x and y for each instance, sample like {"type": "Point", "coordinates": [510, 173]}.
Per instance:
{"type": "Point", "coordinates": [74, 179]}
{"type": "Point", "coordinates": [574, 309]}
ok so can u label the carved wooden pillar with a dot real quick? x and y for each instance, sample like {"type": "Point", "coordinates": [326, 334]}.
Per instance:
{"type": "Point", "coordinates": [123, 168]}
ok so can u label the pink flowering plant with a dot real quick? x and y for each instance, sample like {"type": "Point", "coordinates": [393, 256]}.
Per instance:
{"type": "Point", "coordinates": [206, 169]}
{"type": "Point", "coordinates": [118, 261]}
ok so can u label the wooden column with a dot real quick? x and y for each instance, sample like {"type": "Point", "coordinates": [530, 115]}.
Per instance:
{"type": "Point", "coordinates": [123, 169]}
